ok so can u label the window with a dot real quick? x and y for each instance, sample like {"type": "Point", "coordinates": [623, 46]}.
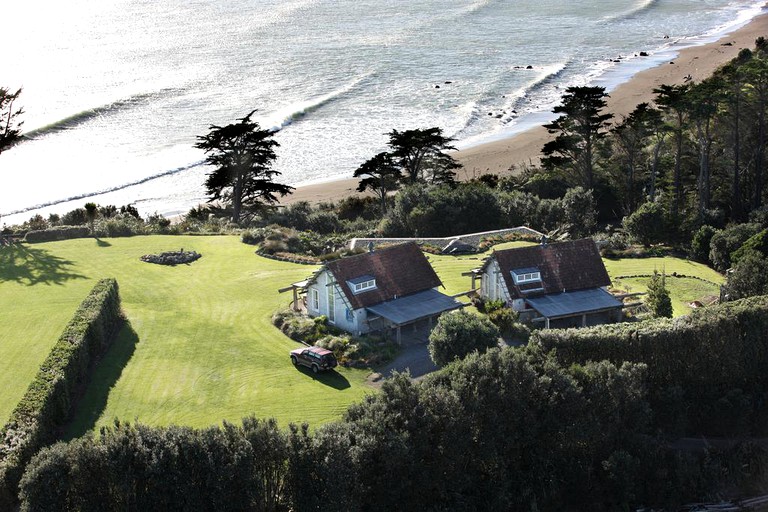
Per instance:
{"type": "Point", "coordinates": [528, 275]}
{"type": "Point", "coordinates": [362, 284]}
{"type": "Point", "coordinates": [331, 305]}
{"type": "Point", "coordinates": [315, 299]}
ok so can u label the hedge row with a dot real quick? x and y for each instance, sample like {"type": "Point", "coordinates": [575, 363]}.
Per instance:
{"type": "Point", "coordinates": [57, 233]}
{"type": "Point", "coordinates": [716, 355]}
{"type": "Point", "coordinates": [47, 404]}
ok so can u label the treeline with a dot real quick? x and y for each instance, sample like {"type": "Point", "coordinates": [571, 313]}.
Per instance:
{"type": "Point", "coordinates": [49, 401]}
{"type": "Point", "coordinates": [511, 429]}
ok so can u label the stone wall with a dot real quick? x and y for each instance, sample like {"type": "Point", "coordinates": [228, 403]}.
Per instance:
{"type": "Point", "coordinates": [472, 239]}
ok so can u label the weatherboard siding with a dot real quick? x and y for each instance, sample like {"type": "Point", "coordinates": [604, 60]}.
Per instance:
{"type": "Point", "coordinates": [354, 322]}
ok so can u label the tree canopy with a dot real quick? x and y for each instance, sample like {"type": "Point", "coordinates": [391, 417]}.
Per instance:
{"type": "Point", "coordinates": [380, 175]}
{"type": "Point", "coordinates": [10, 127]}
{"type": "Point", "coordinates": [242, 154]}
{"type": "Point", "coordinates": [579, 128]}
{"type": "Point", "coordinates": [421, 155]}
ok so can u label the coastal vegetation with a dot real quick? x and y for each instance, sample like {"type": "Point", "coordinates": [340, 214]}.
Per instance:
{"type": "Point", "coordinates": [241, 155]}
{"type": "Point", "coordinates": [614, 451]}
{"type": "Point", "coordinates": [681, 178]}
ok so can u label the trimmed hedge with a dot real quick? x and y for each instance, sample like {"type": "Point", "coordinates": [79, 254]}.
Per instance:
{"type": "Point", "coordinates": [48, 402]}
{"type": "Point", "coordinates": [709, 366]}
{"type": "Point", "coordinates": [58, 233]}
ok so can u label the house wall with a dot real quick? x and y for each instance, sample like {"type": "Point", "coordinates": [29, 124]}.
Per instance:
{"type": "Point", "coordinates": [493, 287]}
{"type": "Point", "coordinates": [351, 321]}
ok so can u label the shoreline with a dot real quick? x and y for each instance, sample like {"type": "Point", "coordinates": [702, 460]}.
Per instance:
{"type": "Point", "coordinates": [502, 156]}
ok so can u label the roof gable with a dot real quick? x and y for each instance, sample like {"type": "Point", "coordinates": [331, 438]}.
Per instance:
{"type": "Point", "coordinates": [564, 266]}
{"type": "Point", "coordinates": [399, 270]}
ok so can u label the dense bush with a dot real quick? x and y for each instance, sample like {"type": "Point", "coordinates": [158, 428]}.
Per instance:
{"type": "Point", "coordinates": [541, 437]}
{"type": "Point", "coordinates": [756, 243]}
{"type": "Point", "coordinates": [300, 327]}
{"type": "Point", "coordinates": [748, 278]}
{"type": "Point", "coordinates": [120, 225]}
{"type": "Point", "coordinates": [694, 363]}
{"type": "Point", "coordinates": [648, 225]}
{"type": "Point", "coordinates": [458, 334]}
{"type": "Point", "coordinates": [658, 299]}
{"type": "Point", "coordinates": [47, 404]}
{"type": "Point", "coordinates": [76, 217]}
{"type": "Point", "coordinates": [444, 211]}
{"type": "Point", "coordinates": [137, 468]}
{"type": "Point", "coordinates": [58, 233]}
{"type": "Point", "coordinates": [726, 241]}
{"type": "Point", "coordinates": [701, 242]}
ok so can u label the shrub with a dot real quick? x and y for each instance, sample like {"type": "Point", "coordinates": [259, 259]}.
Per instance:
{"type": "Point", "coordinates": [76, 217]}
{"type": "Point", "coordinates": [47, 404]}
{"type": "Point", "coordinates": [58, 233]}
{"type": "Point", "coordinates": [756, 243]}
{"type": "Point", "coordinates": [647, 225]}
{"type": "Point", "coordinates": [726, 241]}
{"type": "Point", "coordinates": [121, 224]}
{"type": "Point", "coordinates": [658, 300]}
{"type": "Point", "coordinates": [458, 334]}
{"type": "Point", "coordinates": [701, 242]}
{"type": "Point", "coordinates": [580, 212]}
{"type": "Point", "coordinates": [749, 277]}
{"type": "Point", "coordinates": [503, 318]}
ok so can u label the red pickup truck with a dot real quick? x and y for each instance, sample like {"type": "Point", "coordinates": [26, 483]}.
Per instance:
{"type": "Point", "coordinates": [314, 357]}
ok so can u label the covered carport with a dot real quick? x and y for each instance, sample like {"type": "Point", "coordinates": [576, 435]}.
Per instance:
{"type": "Point", "coordinates": [410, 309]}
{"type": "Point", "coordinates": [575, 305]}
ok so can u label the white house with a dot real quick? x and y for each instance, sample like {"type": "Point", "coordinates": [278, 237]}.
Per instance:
{"type": "Point", "coordinates": [561, 284]}
{"type": "Point", "coordinates": [387, 288]}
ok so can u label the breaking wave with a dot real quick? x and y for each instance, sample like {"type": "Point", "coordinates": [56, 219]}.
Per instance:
{"type": "Point", "coordinates": [110, 189]}
{"type": "Point", "coordinates": [639, 7]}
{"type": "Point", "coordinates": [297, 111]}
{"type": "Point", "coordinates": [92, 113]}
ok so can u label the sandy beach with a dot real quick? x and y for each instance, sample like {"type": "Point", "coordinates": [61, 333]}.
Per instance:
{"type": "Point", "coordinates": [694, 64]}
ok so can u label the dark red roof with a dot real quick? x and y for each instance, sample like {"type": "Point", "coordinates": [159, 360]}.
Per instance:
{"type": "Point", "coordinates": [564, 266]}
{"type": "Point", "coordinates": [399, 270]}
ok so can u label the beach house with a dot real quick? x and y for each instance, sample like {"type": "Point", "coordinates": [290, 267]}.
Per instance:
{"type": "Point", "coordinates": [560, 284]}
{"type": "Point", "coordinates": [387, 288]}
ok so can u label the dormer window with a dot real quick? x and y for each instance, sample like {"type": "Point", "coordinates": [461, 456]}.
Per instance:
{"type": "Point", "coordinates": [526, 275]}
{"type": "Point", "coordinates": [362, 284]}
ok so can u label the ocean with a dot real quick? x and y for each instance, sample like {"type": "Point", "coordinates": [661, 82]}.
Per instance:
{"type": "Point", "coordinates": [115, 93]}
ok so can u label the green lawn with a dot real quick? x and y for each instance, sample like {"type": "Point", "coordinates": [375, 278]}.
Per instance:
{"type": "Point", "coordinates": [199, 348]}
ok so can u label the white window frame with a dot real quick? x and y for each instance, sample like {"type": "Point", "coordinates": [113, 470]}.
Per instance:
{"type": "Point", "coordinates": [528, 277]}
{"type": "Point", "coordinates": [315, 299]}
{"type": "Point", "coordinates": [331, 305]}
{"type": "Point", "coordinates": [364, 286]}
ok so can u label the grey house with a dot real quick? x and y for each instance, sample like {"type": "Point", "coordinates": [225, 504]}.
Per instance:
{"type": "Point", "coordinates": [388, 288]}
{"type": "Point", "coordinates": [560, 284]}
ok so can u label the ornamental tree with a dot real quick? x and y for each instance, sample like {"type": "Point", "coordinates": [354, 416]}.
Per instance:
{"type": "Point", "coordinates": [242, 155]}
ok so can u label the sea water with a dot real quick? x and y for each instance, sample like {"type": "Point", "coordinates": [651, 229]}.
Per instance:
{"type": "Point", "coordinates": [116, 93]}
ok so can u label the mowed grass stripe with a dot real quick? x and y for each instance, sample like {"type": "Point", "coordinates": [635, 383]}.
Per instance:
{"type": "Point", "coordinates": [206, 349]}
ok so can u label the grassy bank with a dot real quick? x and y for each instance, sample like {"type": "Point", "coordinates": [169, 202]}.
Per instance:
{"type": "Point", "coordinates": [199, 347]}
